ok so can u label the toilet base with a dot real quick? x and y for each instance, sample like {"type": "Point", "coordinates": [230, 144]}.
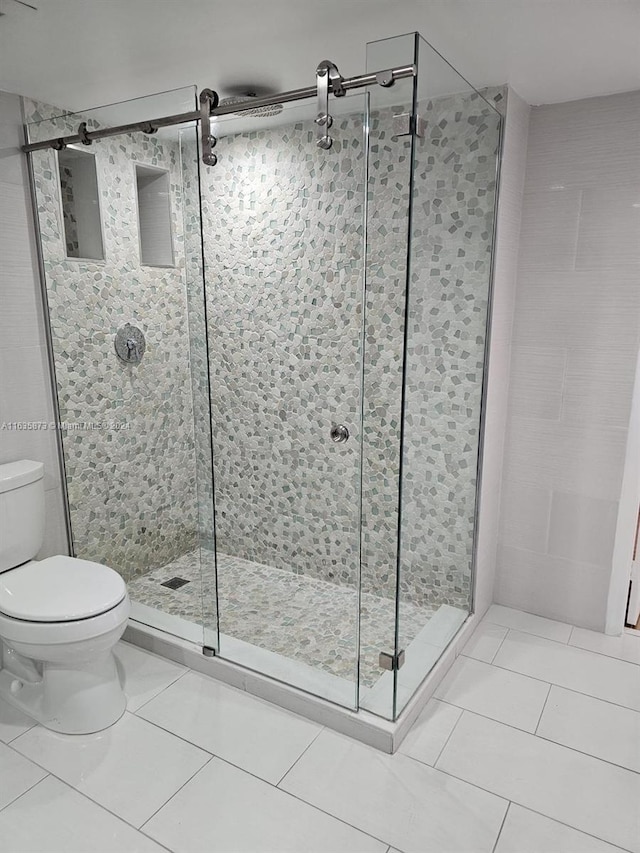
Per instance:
{"type": "Point", "coordinates": [81, 699]}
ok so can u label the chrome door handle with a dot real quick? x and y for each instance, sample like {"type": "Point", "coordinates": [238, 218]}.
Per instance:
{"type": "Point", "coordinates": [339, 433]}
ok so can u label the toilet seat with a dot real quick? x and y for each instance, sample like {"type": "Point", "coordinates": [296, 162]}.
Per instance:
{"type": "Point", "coordinates": [57, 633]}
{"type": "Point", "coordinates": [59, 590]}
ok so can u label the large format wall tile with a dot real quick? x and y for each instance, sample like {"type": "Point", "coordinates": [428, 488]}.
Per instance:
{"type": "Point", "coordinates": [25, 385]}
{"type": "Point", "coordinates": [537, 381]}
{"type": "Point", "coordinates": [609, 232]}
{"type": "Point", "coordinates": [12, 161]}
{"type": "Point", "coordinates": [554, 586]}
{"type": "Point", "coordinates": [599, 385]}
{"type": "Point", "coordinates": [27, 428]}
{"type": "Point", "coordinates": [20, 320]}
{"type": "Point", "coordinates": [578, 291]}
{"type": "Point", "coordinates": [585, 459]}
{"type": "Point", "coordinates": [525, 514]}
{"type": "Point", "coordinates": [582, 528]}
{"type": "Point", "coordinates": [592, 142]}
{"type": "Point", "coordinates": [574, 309]}
{"type": "Point", "coordinates": [549, 219]}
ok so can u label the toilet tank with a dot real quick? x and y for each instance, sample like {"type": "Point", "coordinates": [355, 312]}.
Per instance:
{"type": "Point", "coordinates": [21, 512]}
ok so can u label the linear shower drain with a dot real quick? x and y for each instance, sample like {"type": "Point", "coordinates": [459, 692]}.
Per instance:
{"type": "Point", "coordinates": [174, 583]}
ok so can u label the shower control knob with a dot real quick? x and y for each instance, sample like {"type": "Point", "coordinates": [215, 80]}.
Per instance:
{"type": "Point", "coordinates": [339, 433]}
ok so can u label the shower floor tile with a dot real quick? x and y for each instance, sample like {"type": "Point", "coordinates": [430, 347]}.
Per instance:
{"type": "Point", "coordinates": [295, 616]}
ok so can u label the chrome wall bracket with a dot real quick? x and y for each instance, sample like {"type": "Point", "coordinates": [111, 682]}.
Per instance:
{"type": "Point", "coordinates": [83, 133]}
{"type": "Point", "coordinates": [385, 78]}
{"type": "Point", "coordinates": [328, 78]}
{"type": "Point", "coordinates": [208, 102]}
{"type": "Point", "coordinates": [405, 124]}
{"type": "Point", "coordinates": [391, 662]}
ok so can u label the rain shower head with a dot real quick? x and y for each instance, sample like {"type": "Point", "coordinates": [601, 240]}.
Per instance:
{"type": "Point", "coordinates": [257, 112]}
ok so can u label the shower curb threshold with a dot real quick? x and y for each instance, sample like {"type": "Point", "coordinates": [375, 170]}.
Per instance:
{"type": "Point", "coordinates": [361, 725]}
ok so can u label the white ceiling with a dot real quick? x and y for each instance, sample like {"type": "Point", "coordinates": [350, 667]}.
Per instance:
{"type": "Point", "coordinates": [79, 53]}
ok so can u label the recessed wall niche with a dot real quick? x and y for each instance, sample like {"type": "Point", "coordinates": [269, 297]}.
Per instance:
{"type": "Point", "coordinates": [80, 204]}
{"type": "Point", "coordinates": [154, 216]}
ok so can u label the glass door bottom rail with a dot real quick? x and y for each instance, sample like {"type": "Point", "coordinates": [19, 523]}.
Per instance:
{"type": "Point", "coordinates": [301, 618]}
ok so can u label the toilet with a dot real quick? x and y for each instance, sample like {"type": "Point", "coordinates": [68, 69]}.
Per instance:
{"type": "Point", "coordinates": [59, 618]}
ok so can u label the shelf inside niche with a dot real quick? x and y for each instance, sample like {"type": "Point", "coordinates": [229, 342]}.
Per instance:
{"type": "Point", "coordinates": [80, 198]}
{"type": "Point", "coordinates": [153, 192]}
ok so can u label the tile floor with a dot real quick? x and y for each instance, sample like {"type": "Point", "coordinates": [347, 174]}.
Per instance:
{"type": "Point", "coordinates": [293, 615]}
{"type": "Point", "coordinates": [530, 745]}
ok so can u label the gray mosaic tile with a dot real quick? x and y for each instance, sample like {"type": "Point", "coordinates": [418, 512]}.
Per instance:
{"type": "Point", "coordinates": [299, 617]}
{"type": "Point", "coordinates": [123, 475]}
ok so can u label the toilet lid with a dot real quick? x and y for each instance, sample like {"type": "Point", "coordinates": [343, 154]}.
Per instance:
{"type": "Point", "coordinates": [59, 589]}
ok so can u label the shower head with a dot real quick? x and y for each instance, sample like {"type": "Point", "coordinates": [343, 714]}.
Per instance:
{"type": "Point", "coordinates": [257, 112]}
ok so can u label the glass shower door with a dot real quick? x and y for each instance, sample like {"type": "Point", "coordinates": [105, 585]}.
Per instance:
{"type": "Point", "coordinates": [283, 234]}
{"type": "Point", "coordinates": [125, 300]}
{"type": "Point", "coordinates": [455, 160]}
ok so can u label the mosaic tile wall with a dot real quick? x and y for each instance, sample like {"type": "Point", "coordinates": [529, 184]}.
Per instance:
{"type": "Point", "coordinates": [132, 490]}
{"type": "Point", "coordinates": [283, 240]}
{"type": "Point", "coordinates": [283, 251]}
{"type": "Point", "coordinates": [284, 248]}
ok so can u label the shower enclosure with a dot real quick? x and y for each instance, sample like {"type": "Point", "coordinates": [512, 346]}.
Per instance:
{"type": "Point", "coordinates": [281, 454]}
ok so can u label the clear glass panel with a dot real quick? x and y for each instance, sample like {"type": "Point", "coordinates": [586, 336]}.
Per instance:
{"type": "Point", "coordinates": [452, 220]}
{"type": "Point", "coordinates": [283, 235]}
{"type": "Point", "coordinates": [135, 469]}
{"type": "Point", "coordinates": [389, 182]}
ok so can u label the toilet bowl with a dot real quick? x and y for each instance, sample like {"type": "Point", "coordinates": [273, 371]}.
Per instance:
{"type": "Point", "coordinates": [59, 619]}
